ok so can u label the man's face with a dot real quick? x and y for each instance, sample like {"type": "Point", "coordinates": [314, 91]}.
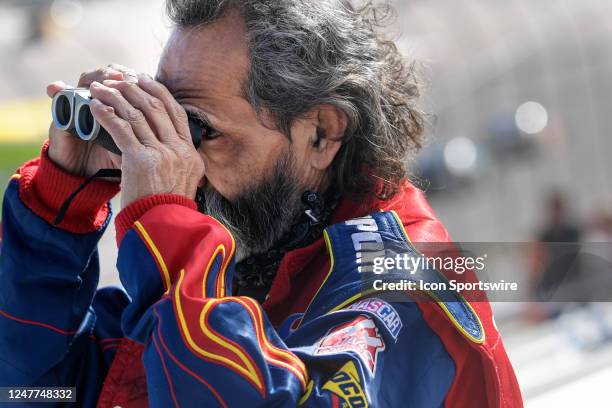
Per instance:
{"type": "Point", "coordinates": [254, 174]}
{"type": "Point", "coordinates": [205, 69]}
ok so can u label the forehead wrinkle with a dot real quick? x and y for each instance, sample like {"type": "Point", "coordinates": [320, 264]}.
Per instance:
{"type": "Point", "coordinates": [219, 51]}
{"type": "Point", "coordinates": [178, 86]}
{"type": "Point", "coordinates": [189, 86]}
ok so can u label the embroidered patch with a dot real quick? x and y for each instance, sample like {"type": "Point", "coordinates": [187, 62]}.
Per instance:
{"type": "Point", "coordinates": [346, 385]}
{"type": "Point", "coordinates": [387, 313]}
{"type": "Point", "coordinates": [360, 336]}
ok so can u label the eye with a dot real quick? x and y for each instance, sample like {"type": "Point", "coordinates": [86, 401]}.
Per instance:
{"type": "Point", "coordinates": [207, 131]}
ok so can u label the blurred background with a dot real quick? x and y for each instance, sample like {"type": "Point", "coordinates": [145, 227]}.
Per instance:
{"type": "Point", "coordinates": [520, 100]}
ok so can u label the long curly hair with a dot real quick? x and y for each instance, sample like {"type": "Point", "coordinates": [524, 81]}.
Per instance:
{"type": "Point", "coordinates": [304, 53]}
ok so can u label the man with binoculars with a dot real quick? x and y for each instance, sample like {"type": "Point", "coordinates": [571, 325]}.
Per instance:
{"type": "Point", "coordinates": [260, 170]}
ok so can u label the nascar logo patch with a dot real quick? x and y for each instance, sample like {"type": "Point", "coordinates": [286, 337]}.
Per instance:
{"type": "Point", "coordinates": [383, 310]}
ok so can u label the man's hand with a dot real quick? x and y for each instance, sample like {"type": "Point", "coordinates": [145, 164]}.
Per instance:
{"type": "Point", "coordinates": [152, 131]}
{"type": "Point", "coordinates": [71, 153]}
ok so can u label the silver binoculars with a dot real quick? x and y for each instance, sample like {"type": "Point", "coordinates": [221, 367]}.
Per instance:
{"type": "Point", "coordinates": [71, 113]}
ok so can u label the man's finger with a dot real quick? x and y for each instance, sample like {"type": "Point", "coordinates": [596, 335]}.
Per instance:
{"type": "Point", "coordinates": [128, 74]}
{"type": "Point", "coordinates": [124, 110]}
{"type": "Point", "coordinates": [55, 87]}
{"type": "Point", "coordinates": [120, 130]}
{"type": "Point", "coordinates": [99, 75]}
{"type": "Point", "coordinates": [153, 109]}
{"type": "Point", "coordinates": [175, 110]}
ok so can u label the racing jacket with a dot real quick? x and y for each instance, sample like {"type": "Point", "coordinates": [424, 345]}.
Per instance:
{"type": "Point", "coordinates": [174, 336]}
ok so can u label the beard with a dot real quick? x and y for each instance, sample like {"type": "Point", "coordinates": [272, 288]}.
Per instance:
{"type": "Point", "coordinates": [261, 214]}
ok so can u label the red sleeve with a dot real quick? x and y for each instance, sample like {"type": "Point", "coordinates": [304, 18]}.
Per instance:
{"type": "Point", "coordinates": [133, 212]}
{"type": "Point", "coordinates": [43, 187]}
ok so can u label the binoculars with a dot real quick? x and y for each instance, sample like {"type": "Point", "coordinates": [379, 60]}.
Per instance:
{"type": "Point", "coordinates": [71, 113]}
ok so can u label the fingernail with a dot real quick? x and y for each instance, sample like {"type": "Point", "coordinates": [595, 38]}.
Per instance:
{"type": "Point", "coordinates": [105, 108]}
{"type": "Point", "coordinates": [96, 84]}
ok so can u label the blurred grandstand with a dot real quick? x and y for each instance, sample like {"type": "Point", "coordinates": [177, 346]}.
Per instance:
{"type": "Point", "coordinates": [519, 92]}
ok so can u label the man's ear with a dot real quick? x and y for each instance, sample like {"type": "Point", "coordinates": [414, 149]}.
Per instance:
{"type": "Point", "coordinates": [331, 124]}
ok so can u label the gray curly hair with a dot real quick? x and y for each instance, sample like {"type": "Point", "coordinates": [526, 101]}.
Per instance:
{"type": "Point", "coordinates": [305, 53]}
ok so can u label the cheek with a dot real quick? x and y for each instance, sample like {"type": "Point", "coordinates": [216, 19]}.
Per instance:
{"type": "Point", "coordinates": [231, 167]}
{"type": "Point", "coordinates": [223, 169]}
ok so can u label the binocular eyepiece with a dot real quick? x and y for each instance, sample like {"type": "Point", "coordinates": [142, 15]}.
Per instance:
{"type": "Point", "coordinates": [71, 113]}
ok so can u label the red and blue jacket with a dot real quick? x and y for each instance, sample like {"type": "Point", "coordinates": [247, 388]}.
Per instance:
{"type": "Point", "coordinates": [174, 336]}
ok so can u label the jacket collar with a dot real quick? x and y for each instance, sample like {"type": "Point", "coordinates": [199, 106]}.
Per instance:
{"type": "Point", "coordinates": [409, 203]}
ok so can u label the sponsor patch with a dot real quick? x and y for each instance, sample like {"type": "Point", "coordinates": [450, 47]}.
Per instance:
{"type": "Point", "coordinates": [360, 336]}
{"type": "Point", "coordinates": [387, 313]}
{"type": "Point", "coordinates": [367, 242]}
{"type": "Point", "coordinates": [346, 385]}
